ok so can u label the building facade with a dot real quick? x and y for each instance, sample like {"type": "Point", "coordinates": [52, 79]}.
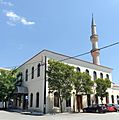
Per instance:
{"type": "Point", "coordinates": [32, 86]}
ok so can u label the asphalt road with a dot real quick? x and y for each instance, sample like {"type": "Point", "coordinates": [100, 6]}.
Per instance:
{"type": "Point", "coordinates": [4, 115]}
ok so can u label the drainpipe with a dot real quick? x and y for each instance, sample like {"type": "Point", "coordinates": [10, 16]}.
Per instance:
{"type": "Point", "coordinates": [45, 89]}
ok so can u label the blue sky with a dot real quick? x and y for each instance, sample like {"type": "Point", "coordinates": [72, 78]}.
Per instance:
{"type": "Point", "coordinates": [64, 26]}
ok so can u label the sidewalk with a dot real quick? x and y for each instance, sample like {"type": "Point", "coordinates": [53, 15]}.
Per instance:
{"type": "Point", "coordinates": [27, 112]}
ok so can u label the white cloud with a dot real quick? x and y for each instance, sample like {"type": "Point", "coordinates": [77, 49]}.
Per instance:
{"type": "Point", "coordinates": [25, 22]}
{"type": "Point", "coordinates": [14, 19]}
{"type": "Point", "coordinates": [6, 3]}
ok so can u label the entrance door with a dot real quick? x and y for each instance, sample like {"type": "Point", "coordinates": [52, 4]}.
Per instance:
{"type": "Point", "coordinates": [79, 102]}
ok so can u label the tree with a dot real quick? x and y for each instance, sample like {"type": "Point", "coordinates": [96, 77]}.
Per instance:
{"type": "Point", "coordinates": [83, 83]}
{"type": "Point", "coordinates": [7, 83]}
{"type": "Point", "coordinates": [60, 79]}
{"type": "Point", "coordinates": [101, 87]}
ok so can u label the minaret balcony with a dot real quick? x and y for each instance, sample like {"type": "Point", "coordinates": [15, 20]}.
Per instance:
{"type": "Point", "coordinates": [93, 36]}
{"type": "Point", "coordinates": [95, 52]}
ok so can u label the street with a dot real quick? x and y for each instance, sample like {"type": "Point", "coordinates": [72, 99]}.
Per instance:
{"type": "Point", "coordinates": [4, 115]}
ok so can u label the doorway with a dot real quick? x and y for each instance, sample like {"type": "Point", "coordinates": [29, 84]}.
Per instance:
{"type": "Point", "coordinates": [79, 103]}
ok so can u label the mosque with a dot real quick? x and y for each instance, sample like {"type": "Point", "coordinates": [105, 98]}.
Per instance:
{"type": "Point", "coordinates": [32, 86]}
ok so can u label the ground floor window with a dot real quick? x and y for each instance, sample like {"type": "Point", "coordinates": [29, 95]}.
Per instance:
{"type": "Point", "coordinates": [88, 100]}
{"type": "Point", "coordinates": [68, 102]}
{"type": "Point", "coordinates": [56, 99]}
{"type": "Point", "coordinates": [96, 99]}
{"type": "Point", "coordinates": [31, 100]}
{"type": "Point", "coordinates": [37, 99]}
{"type": "Point", "coordinates": [112, 98]}
{"type": "Point", "coordinates": [117, 99]}
{"type": "Point", "coordinates": [107, 99]}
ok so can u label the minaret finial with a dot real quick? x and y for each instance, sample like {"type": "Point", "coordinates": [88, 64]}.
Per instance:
{"type": "Point", "coordinates": [92, 19]}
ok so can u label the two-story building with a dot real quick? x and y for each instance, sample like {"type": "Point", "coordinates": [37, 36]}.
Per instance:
{"type": "Point", "coordinates": [32, 89]}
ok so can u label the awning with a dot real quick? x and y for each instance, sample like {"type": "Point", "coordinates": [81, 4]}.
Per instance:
{"type": "Point", "coordinates": [21, 90]}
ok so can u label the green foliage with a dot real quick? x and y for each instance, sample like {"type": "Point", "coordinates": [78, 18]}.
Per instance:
{"type": "Point", "coordinates": [60, 77]}
{"type": "Point", "coordinates": [7, 83]}
{"type": "Point", "coordinates": [101, 86]}
{"type": "Point", "coordinates": [83, 83]}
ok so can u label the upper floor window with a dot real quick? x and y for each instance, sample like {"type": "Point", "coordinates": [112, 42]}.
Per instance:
{"type": "Point", "coordinates": [94, 75]}
{"type": "Point", "coordinates": [19, 79]}
{"type": "Point", "coordinates": [101, 75]}
{"type": "Point", "coordinates": [78, 69]}
{"type": "Point", "coordinates": [26, 76]}
{"type": "Point", "coordinates": [32, 73]}
{"type": "Point", "coordinates": [38, 70]}
{"type": "Point", "coordinates": [20, 76]}
{"type": "Point", "coordinates": [87, 71]}
{"type": "Point", "coordinates": [107, 76]}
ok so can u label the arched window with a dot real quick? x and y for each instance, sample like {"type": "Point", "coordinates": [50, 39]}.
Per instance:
{"type": "Point", "coordinates": [88, 100]}
{"type": "Point", "coordinates": [107, 98]}
{"type": "Point", "coordinates": [26, 75]}
{"type": "Point", "coordinates": [32, 73]}
{"type": "Point", "coordinates": [107, 76]}
{"type": "Point", "coordinates": [20, 76]}
{"type": "Point", "coordinates": [68, 102]}
{"type": "Point", "coordinates": [112, 96]}
{"type": "Point", "coordinates": [117, 99]}
{"type": "Point", "coordinates": [56, 99]}
{"type": "Point", "coordinates": [87, 71]}
{"type": "Point", "coordinates": [37, 99]}
{"type": "Point", "coordinates": [96, 99]}
{"type": "Point", "coordinates": [101, 75]}
{"type": "Point", "coordinates": [38, 70]}
{"type": "Point", "coordinates": [78, 69]}
{"type": "Point", "coordinates": [31, 100]}
{"type": "Point", "coordinates": [94, 75]}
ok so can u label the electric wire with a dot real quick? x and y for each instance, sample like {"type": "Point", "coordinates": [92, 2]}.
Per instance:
{"type": "Point", "coordinates": [73, 57]}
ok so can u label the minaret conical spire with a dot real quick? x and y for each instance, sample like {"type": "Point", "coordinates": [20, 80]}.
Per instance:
{"type": "Point", "coordinates": [94, 39]}
{"type": "Point", "coordinates": [93, 26]}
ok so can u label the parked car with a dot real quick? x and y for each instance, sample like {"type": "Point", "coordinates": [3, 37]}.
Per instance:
{"type": "Point", "coordinates": [97, 108]}
{"type": "Point", "coordinates": [111, 107]}
{"type": "Point", "coordinates": [116, 106]}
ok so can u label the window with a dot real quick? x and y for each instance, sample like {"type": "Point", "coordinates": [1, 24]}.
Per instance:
{"type": "Point", "coordinates": [78, 69]}
{"type": "Point", "coordinates": [37, 99]}
{"type": "Point", "coordinates": [96, 99]}
{"type": "Point", "coordinates": [88, 100]}
{"type": "Point", "coordinates": [101, 75]}
{"type": "Point", "coordinates": [32, 73]}
{"type": "Point", "coordinates": [107, 98]}
{"type": "Point", "coordinates": [20, 76]}
{"type": "Point", "coordinates": [38, 70]}
{"type": "Point", "coordinates": [26, 75]}
{"type": "Point", "coordinates": [112, 96]}
{"type": "Point", "coordinates": [31, 100]}
{"type": "Point", "coordinates": [87, 71]}
{"type": "Point", "coordinates": [117, 99]}
{"type": "Point", "coordinates": [56, 99]}
{"type": "Point", "coordinates": [68, 102]}
{"type": "Point", "coordinates": [94, 75]}
{"type": "Point", "coordinates": [107, 76]}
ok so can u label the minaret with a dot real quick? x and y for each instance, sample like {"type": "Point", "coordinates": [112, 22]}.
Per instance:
{"type": "Point", "coordinates": [94, 39]}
